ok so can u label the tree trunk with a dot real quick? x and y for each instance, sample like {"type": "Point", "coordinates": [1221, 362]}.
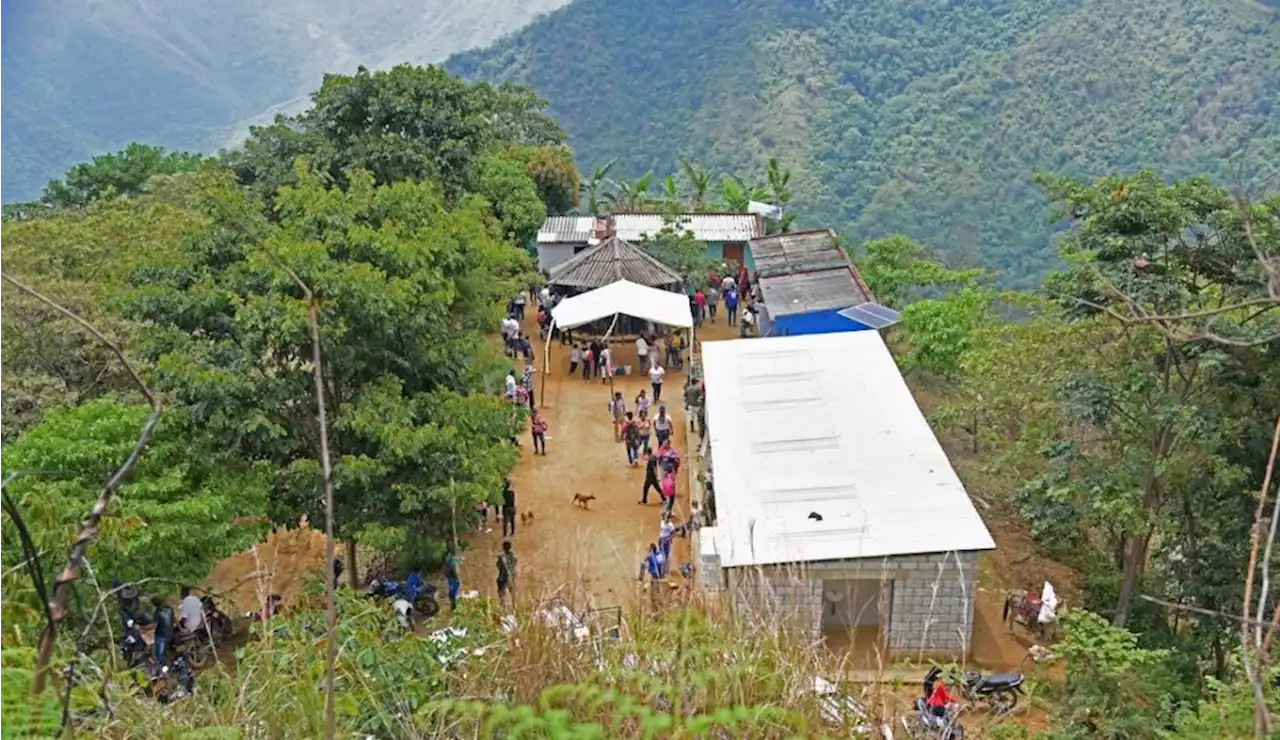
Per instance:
{"type": "Point", "coordinates": [1135, 559]}
{"type": "Point", "coordinates": [353, 571]}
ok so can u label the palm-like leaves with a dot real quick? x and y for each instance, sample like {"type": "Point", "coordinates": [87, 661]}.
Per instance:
{"type": "Point", "coordinates": [593, 186]}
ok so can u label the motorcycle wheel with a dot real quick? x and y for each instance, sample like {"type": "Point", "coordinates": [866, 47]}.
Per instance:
{"type": "Point", "coordinates": [428, 607]}
{"type": "Point", "coordinates": [1003, 701]}
{"type": "Point", "coordinates": [201, 656]}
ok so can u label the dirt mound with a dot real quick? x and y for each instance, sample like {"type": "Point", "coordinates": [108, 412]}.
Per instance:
{"type": "Point", "coordinates": [282, 564]}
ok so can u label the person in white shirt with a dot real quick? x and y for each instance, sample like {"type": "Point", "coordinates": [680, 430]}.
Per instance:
{"type": "Point", "coordinates": [747, 319]}
{"type": "Point", "coordinates": [656, 374]}
{"type": "Point", "coordinates": [606, 364]}
{"type": "Point", "coordinates": [727, 285]}
{"type": "Point", "coordinates": [510, 328]}
{"type": "Point", "coordinates": [544, 297]}
{"type": "Point", "coordinates": [642, 351]}
{"type": "Point", "coordinates": [190, 612]}
{"type": "Point", "coordinates": [511, 384]}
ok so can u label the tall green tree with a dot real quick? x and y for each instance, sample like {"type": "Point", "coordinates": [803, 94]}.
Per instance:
{"type": "Point", "coordinates": [406, 287]}
{"type": "Point", "coordinates": [595, 194]}
{"type": "Point", "coordinates": [121, 174]}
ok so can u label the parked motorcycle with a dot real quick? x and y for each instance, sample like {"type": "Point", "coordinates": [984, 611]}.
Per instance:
{"type": "Point", "coordinates": [219, 623]}
{"type": "Point", "coordinates": [1000, 690]}
{"type": "Point", "coordinates": [195, 647]}
{"type": "Point", "coordinates": [133, 649]}
{"type": "Point", "coordinates": [418, 592]}
{"type": "Point", "coordinates": [924, 724]}
{"type": "Point", "coordinates": [275, 602]}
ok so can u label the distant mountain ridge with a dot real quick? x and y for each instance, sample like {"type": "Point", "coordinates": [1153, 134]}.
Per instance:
{"type": "Point", "coordinates": [925, 117]}
{"type": "Point", "coordinates": [82, 78]}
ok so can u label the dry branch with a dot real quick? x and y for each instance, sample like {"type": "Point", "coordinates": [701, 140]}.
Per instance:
{"type": "Point", "coordinates": [331, 607]}
{"type": "Point", "coordinates": [89, 526]}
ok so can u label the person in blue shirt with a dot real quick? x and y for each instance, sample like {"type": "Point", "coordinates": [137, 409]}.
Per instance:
{"type": "Point", "coordinates": [731, 306]}
{"type": "Point", "coordinates": [451, 578]}
{"type": "Point", "coordinates": [654, 564]}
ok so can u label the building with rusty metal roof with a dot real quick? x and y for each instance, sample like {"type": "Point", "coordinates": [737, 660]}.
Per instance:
{"type": "Point", "coordinates": [725, 234]}
{"type": "Point", "coordinates": [561, 237]}
{"type": "Point", "coordinates": [613, 260]}
{"type": "Point", "coordinates": [795, 251]}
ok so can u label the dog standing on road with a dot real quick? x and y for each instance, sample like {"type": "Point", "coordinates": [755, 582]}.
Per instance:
{"type": "Point", "coordinates": [583, 500]}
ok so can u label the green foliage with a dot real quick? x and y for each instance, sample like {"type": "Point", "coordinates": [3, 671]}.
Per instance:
{"type": "Point", "coordinates": [914, 117]}
{"type": "Point", "coordinates": [405, 287]}
{"type": "Point", "coordinates": [121, 174]}
{"type": "Point", "coordinates": [183, 508]}
{"type": "Point", "coordinates": [940, 330]}
{"type": "Point", "coordinates": [1114, 688]}
{"type": "Point", "coordinates": [555, 175]}
{"type": "Point", "coordinates": [505, 182]}
{"type": "Point", "coordinates": [677, 249]}
{"type": "Point", "coordinates": [26, 716]}
{"type": "Point", "coordinates": [406, 123]}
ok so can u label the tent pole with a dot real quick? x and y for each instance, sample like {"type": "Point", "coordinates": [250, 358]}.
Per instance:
{"type": "Point", "coordinates": [605, 341]}
{"type": "Point", "coordinates": [546, 363]}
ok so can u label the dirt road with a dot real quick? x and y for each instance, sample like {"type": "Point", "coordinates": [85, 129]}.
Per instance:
{"type": "Point", "coordinates": [590, 555]}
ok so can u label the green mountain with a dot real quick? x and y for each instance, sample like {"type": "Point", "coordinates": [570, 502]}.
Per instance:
{"type": "Point", "coordinates": [929, 117]}
{"type": "Point", "coordinates": [83, 78]}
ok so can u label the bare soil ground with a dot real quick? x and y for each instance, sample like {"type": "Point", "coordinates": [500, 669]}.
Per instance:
{"type": "Point", "coordinates": [590, 556]}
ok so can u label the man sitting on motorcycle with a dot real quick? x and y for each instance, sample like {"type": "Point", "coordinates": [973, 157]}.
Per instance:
{"type": "Point", "coordinates": [191, 611]}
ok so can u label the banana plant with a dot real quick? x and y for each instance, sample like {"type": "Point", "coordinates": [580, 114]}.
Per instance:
{"type": "Point", "coordinates": [594, 184]}
{"type": "Point", "coordinates": [699, 180]}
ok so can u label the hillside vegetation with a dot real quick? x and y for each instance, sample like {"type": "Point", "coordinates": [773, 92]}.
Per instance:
{"type": "Point", "coordinates": [86, 78]}
{"type": "Point", "coordinates": [309, 318]}
{"type": "Point", "coordinates": [922, 117]}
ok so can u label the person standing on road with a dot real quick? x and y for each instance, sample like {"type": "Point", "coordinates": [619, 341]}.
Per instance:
{"type": "Point", "coordinates": [653, 564]}
{"type": "Point", "coordinates": [692, 402]}
{"type": "Point", "coordinates": [606, 364]}
{"type": "Point", "coordinates": [662, 426]}
{"type": "Point", "coordinates": [527, 382]}
{"type": "Point", "coordinates": [656, 374]}
{"type": "Point", "coordinates": [713, 299]}
{"type": "Point", "coordinates": [731, 306]}
{"type": "Point", "coordinates": [508, 510]}
{"type": "Point", "coordinates": [645, 429]}
{"type": "Point", "coordinates": [507, 574]}
{"type": "Point", "coordinates": [575, 357]}
{"type": "Point", "coordinates": [642, 352]}
{"type": "Point", "coordinates": [748, 319]}
{"type": "Point", "coordinates": [642, 403]}
{"type": "Point", "coordinates": [631, 437]}
{"type": "Point", "coordinates": [650, 479]}
{"type": "Point", "coordinates": [699, 305]}
{"type": "Point", "coordinates": [538, 425]}
{"type": "Point", "coordinates": [618, 410]}
{"type": "Point", "coordinates": [668, 489]}
{"type": "Point", "coordinates": [520, 301]}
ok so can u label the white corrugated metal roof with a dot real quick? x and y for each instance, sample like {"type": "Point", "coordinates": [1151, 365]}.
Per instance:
{"type": "Point", "coordinates": [825, 423]}
{"type": "Point", "coordinates": [705, 227]}
{"type": "Point", "coordinates": [567, 230]}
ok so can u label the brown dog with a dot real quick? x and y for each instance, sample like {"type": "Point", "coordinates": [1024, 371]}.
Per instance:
{"type": "Point", "coordinates": [526, 517]}
{"type": "Point", "coordinates": [583, 500]}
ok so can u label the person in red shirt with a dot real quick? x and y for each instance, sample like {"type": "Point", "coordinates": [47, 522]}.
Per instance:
{"type": "Point", "coordinates": [939, 699]}
{"type": "Point", "coordinates": [700, 305]}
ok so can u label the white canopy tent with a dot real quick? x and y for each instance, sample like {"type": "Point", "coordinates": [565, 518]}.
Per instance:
{"type": "Point", "coordinates": [624, 298]}
{"type": "Point", "coordinates": [627, 298]}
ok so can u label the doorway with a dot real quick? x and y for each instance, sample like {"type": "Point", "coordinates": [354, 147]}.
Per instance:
{"type": "Point", "coordinates": [733, 252]}
{"type": "Point", "coordinates": [855, 613]}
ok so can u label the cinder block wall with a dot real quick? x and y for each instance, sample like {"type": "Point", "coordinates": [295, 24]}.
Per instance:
{"type": "Point", "coordinates": [931, 610]}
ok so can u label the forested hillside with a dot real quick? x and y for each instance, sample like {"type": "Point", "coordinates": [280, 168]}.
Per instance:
{"type": "Point", "coordinates": [919, 117]}
{"type": "Point", "coordinates": [197, 350]}
{"type": "Point", "coordinates": [86, 78]}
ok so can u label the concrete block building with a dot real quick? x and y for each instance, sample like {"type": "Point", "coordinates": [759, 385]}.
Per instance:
{"type": "Point", "coordinates": [838, 515]}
